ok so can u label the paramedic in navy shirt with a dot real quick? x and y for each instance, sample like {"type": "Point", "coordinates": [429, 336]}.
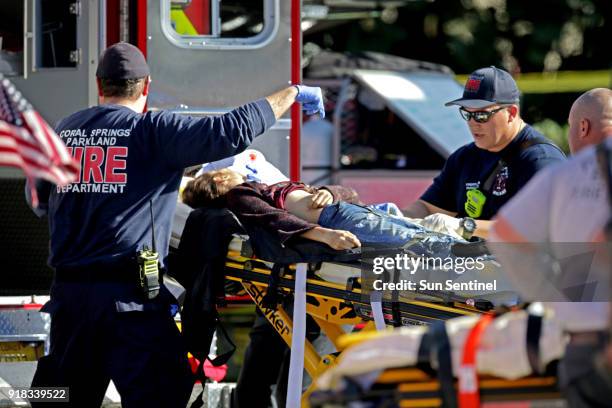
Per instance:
{"type": "Point", "coordinates": [105, 324]}
{"type": "Point", "coordinates": [479, 178]}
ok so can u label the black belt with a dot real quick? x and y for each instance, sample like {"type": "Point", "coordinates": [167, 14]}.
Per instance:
{"type": "Point", "coordinates": [125, 271]}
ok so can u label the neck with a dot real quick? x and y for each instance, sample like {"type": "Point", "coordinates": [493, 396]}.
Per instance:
{"type": "Point", "coordinates": [134, 104]}
{"type": "Point", "coordinates": [600, 137]}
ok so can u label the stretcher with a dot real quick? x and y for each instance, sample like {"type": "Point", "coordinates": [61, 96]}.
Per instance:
{"type": "Point", "coordinates": [335, 300]}
{"type": "Point", "coordinates": [328, 288]}
{"type": "Point", "coordinates": [412, 387]}
{"type": "Point", "coordinates": [343, 302]}
{"type": "Point", "coordinates": [478, 361]}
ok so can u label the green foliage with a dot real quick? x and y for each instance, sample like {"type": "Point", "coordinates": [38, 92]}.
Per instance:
{"type": "Point", "coordinates": [555, 132]}
{"type": "Point", "coordinates": [519, 35]}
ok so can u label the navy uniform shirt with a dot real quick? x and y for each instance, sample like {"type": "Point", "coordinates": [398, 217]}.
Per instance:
{"type": "Point", "coordinates": [128, 159]}
{"type": "Point", "coordinates": [469, 167]}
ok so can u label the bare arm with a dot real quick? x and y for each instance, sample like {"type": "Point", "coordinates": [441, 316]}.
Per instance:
{"type": "Point", "coordinates": [421, 209]}
{"type": "Point", "coordinates": [282, 100]}
{"type": "Point", "coordinates": [336, 239]}
{"type": "Point", "coordinates": [483, 227]}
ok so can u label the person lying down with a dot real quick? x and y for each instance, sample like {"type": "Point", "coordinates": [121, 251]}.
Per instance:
{"type": "Point", "coordinates": [502, 353]}
{"type": "Point", "coordinates": [332, 214]}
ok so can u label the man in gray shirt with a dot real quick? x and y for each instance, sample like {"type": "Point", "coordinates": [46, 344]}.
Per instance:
{"type": "Point", "coordinates": [564, 209]}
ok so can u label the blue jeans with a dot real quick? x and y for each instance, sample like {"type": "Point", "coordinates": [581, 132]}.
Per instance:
{"type": "Point", "coordinates": [372, 226]}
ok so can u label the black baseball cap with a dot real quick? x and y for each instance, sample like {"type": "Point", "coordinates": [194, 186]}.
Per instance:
{"type": "Point", "coordinates": [122, 61]}
{"type": "Point", "coordinates": [486, 87]}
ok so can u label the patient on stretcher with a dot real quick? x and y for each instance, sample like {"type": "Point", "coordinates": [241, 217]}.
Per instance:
{"type": "Point", "coordinates": [332, 215]}
{"type": "Point", "coordinates": [503, 349]}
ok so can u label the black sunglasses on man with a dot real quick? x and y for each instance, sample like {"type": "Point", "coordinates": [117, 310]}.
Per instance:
{"type": "Point", "coordinates": [479, 116]}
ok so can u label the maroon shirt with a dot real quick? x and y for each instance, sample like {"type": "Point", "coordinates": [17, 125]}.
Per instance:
{"type": "Point", "coordinates": [263, 205]}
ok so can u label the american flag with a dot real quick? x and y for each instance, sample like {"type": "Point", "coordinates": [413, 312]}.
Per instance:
{"type": "Point", "coordinates": [29, 143]}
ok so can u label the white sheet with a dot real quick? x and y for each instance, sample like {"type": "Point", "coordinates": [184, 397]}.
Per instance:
{"type": "Point", "coordinates": [502, 352]}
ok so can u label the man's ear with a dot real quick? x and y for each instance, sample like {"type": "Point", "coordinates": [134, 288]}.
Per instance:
{"type": "Point", "coordinates": [513, 112]}
{"type": "Point", "coordinates": [145, 90]}
{"type": "Point", "coordinates": [585, 127]}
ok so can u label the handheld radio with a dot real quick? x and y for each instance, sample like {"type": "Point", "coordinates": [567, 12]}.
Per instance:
{"type": "Point", "coordinates": [148, 264]}
{"type": "Point", "coordinates": [475, 202]}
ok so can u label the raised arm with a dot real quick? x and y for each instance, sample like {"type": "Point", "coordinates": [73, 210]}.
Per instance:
{"type": "Point", "coordinates": [282, 100]}
{"type": "Point", "coordinates": [182, 141]}
{"type": "Point", "coordinates": [310, 97]}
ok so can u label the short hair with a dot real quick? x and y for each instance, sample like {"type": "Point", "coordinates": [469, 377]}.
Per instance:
{"type": "Point", "coordinates": [203, 191]}
{"type": "Point", "coordinates": [122, 88]}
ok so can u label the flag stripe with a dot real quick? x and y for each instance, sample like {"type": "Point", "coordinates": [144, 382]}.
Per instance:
{"type": "Point", "coordinates": [19, 134]}
{"type": "Point", "coordinates": [28, 142]}
{"type": "Point", "coordinates": [14, 160]}
{"type": "Point", "coordinates": [33, 126]}
{"type": "Point", "coordinates": [33, 160]}
{"type": "Point", "coordinates": [28, 150]}
{"type": "Point", "coordinates": [9, 140]}
{"type": "Point", "coordinates": [60, 155]}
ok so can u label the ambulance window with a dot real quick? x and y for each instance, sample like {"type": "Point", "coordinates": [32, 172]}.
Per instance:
{"type": "Point", "coordinates": [220, 23]}
{"type": "Point", "coordinates": [241, 18]}
{"type": "Point", "coordinates": [11, 38]}
{"type": "Point", "coordinates": [56, 32]}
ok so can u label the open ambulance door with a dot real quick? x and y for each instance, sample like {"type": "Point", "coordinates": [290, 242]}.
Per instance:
{"type": "Point", "coordinates": [208, 56]}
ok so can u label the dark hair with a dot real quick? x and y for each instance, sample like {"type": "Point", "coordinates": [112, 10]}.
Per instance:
{"type": "Point", "coordinates": [203, 191]}
{"type": "Point", "coordinates": [122, 88]}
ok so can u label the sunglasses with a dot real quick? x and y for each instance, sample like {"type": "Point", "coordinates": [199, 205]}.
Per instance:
{"type": "Point", "coordinates": [479, 116]}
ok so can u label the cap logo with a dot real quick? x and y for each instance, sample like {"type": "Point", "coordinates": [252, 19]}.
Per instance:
{"type": "Point", "coordinates": [473, 84]}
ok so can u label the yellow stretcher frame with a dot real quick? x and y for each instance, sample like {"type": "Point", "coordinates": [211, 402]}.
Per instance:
{"type": "Point", "coordinates": [239, 268]}
{"type": "Point", "coordinates": [327, 303]}
{"type": "Point", "coordinates": [333, 305]}
{"type": "Point", "coordinates": [414, 388]}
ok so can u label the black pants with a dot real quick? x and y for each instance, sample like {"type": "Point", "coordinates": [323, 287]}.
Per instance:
{"type": "Point", "coordinates": [261, 368]}
{"type": "Point", "coordinates": [104, 331]}
{"type": "Point", "coordinates": [266, 362]}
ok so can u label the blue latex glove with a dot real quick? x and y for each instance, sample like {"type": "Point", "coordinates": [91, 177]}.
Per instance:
{"type": "Point", "coordinates": [311, 99]}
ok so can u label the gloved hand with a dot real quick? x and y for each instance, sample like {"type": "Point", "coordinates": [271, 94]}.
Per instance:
{"type": "Point", "coordinates": [443, 223]}
{"type": "Point", "coordinates": [311, 99]}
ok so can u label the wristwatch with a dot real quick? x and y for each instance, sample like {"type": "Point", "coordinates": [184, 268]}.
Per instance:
{"type": "Point", "coordinates": [468, 226]}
